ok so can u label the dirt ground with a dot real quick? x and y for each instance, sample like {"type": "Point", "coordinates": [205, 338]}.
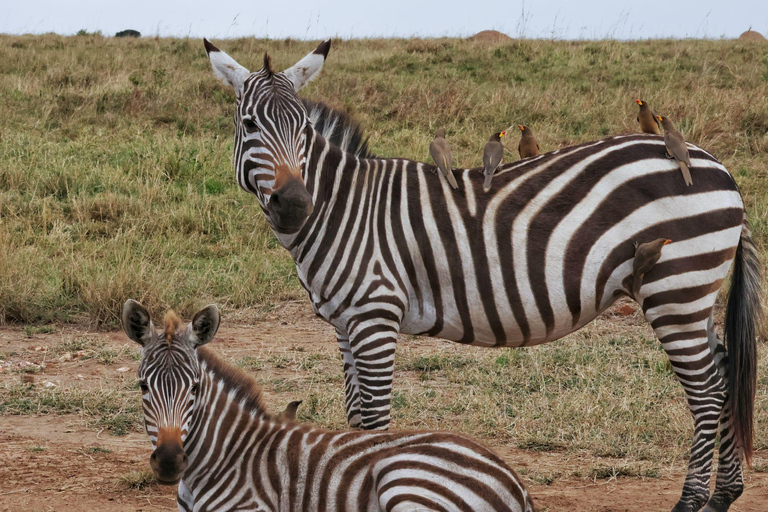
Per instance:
{"type": "Point", "coordinates": [63, 462]}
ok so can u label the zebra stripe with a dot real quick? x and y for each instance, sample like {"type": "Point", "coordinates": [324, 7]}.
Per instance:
{"type": "Point", "coordinates": [238, 457]}
{"type": "Point", "coordinates": [390, 248]}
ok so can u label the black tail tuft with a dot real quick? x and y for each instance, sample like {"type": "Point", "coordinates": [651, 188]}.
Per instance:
{"type": "Point", "coordinates": [742, 319]}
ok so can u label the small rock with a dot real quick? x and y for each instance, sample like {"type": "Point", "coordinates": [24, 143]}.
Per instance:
{"type": "Point", "coordinates": [80, 354]}
{"type": "Point", "coordinates": [67, 356]}
{"type": "Point", "coordinates": [79, 377]}
{"type": "Point", "coordinates": [41, 349]}
{"type": "Point", "coordinates": [123, 369]}
{"type": "Point", "coordinates": [50, 385]}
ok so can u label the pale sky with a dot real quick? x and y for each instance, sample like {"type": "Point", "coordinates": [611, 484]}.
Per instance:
{"type": "Point", "coordinates": [306, 19]}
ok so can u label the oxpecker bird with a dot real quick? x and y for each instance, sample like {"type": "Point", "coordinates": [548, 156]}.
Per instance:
{"type": "Point", "coordinates": [441, 154]}
{"type": "Point", "coordinates": [647, 119]}
{"type": "Point", "coordinates": [492, 157]}
{"type": "Point", "coordinates": [290, 411]}
{"type": "Point", "coordinates": [646, 256]}
{"type": "Point", "coordinates": [528, 146]}
{"type": "Point", "coordinates": [676, 148]}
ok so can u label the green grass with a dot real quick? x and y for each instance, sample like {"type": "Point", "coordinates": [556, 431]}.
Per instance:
{"type": "Point", "coordinates": [115, 173]}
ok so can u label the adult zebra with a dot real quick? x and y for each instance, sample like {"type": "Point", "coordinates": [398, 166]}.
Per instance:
{"type": "Point", "coordinates": [384, 246]}
{"type": "Point", "coordinates": [213, 437]}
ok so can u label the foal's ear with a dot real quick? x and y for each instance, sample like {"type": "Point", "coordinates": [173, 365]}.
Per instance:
{"type": "Point", "coordinates": [301, 73]}
{"type": "Point", "coordinates": [226, 68]}
{"type": "Point", "coordinates": [204, 325]}
{"type": "Point", "coordinates": [136, 322]}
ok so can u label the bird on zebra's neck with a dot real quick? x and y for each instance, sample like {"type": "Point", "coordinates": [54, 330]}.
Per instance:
{"type": "Point", "coordinates": [493, 154]}
{"type": "Point", "coordinates": [213, 437]}
{"type": "Point", "coordinates": [647, 119]}
{"type": "Point", "coordinates": [441, 154]}
{"type": "Point", "coordinates": [290, 411]}
{"type": "Point", "coordinates": [646, 256]}
{"type": "Point", "coordinates": [528, 146]}
{"type": "Point", "coordinates": [676, 148]}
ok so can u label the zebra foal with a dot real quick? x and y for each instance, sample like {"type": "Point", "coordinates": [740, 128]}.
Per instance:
{"type": "Point", "coordinates": [212, 436]}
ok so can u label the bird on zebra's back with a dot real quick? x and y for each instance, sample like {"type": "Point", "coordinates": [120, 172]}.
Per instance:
{"type": "Point", "coordinates": [676, 148]}
{"type": "Point", "coordinates": [441, 154]}
{"type": "Point", "coordinates": [647, 119]}
{"type": "Point", "coordinates": [493, 154]}
{"type": "Point", "coordinates": [528, 145]}
{"type": "Point", "coordinates": [646, 256]}
{"type": "Point", "coordinates": [290, 410]}
{"type": "Point", "coordinates": [212, 436]}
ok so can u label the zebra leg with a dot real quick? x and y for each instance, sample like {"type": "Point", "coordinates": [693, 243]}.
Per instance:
{"type": "Point", "coordinates": [351, 383]}
{"type": "Point", "coordinates": [730, 483]}
{"type": "Point", "coordinates": [684, 338]}
{"type": "Point", "coordinates": [373, 352]}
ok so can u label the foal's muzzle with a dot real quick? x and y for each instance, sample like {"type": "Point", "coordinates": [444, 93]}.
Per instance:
{"type": "Point", "coordinates": [290, 205]}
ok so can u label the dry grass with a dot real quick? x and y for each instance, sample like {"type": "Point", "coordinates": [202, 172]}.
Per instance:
{"type": "Point", "coordinates": [115, 174]}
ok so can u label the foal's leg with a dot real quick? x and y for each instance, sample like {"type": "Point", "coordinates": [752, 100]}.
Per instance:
{"type": "Point", "coordinates": [351, 382]}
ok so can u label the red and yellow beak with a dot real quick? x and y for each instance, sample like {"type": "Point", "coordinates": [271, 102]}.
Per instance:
{"type": "Point", "coordinates": [502, 134]}
{"type": "Point", "coordinates": [660, 118]}
{"type": "Point", "coordinates": [639, 102]}
{"type": "Point", "coordinates": [667, 241]}
{"type": "Point", "coordinates": [522, 128]}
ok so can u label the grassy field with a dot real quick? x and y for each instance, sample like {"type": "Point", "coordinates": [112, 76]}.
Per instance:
{"type": "Point", "coordinates": [115, 173]}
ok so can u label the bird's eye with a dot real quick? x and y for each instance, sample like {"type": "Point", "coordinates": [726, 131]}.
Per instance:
{"type": "Point", "coordinates": [193, 389]}
{"type": "Point", "coordinates": [250, 125]}
{"type": "Point", "coordinates": [143, 386]}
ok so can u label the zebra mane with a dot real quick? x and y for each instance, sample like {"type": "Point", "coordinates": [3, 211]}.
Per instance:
{"type": "Point", "coordinates": [338, 128]}
{"type": "Point", "coordinates": [234, 380]}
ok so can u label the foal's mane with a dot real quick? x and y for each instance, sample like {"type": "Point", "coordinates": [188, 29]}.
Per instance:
{"type": "Point", "coordinates": [235, 380]}
{"type": "Point", "coordinates": [338, 128]}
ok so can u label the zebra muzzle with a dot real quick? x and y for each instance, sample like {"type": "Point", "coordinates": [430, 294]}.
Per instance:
{"type": "Point", "coordinates": [168, 461]}
{"type": "Point", "coordinates": [290, 205]}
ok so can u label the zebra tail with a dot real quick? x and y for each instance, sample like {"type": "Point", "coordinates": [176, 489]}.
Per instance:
{"type": "Point", "coordinates": [742, 319]}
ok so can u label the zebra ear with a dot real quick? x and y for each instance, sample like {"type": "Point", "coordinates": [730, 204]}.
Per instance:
{"type": "Point", "coordinates": [204, 325]}
{"type": "Point", "coordinates": [226, 68]}
{"type": "Point", "coordinates": [307, 68]}
{"type": "Point", "coordinates": [136, 322]}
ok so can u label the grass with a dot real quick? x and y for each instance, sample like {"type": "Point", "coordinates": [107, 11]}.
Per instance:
{"type": "Point", "coordinates": [137, 480]}
{"type": "Point", "coordinates": [115, 173]}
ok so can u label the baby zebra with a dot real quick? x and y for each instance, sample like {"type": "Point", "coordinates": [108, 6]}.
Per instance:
{"type": "Point", "coordinates": [213, 437]}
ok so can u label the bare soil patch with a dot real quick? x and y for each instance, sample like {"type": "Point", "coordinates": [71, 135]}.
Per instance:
{"type": "Point", "coordinates": [69, 462]}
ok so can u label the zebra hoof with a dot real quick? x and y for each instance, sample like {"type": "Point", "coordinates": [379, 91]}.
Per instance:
{"type": "Point", "coordinates": [717, 504]}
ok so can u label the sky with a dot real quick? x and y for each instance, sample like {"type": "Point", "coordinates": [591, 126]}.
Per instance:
{"type": "Point", "coordinates": [305, 19]}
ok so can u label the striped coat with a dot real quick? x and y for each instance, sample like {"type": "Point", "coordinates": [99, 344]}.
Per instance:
{"type": "Point", "coordinates": [385, 246]}
{"type": "Point", "coordinates": [213, 437]}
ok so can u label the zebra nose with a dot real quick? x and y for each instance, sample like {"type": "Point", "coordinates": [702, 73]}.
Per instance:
{"type": "Point", "coordinates": [290, 205]}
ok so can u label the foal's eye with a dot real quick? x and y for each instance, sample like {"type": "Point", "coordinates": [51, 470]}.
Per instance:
{"type": "Point", "coordinates": [193, 389]}
{"type": "Point", "coordinates": [143, 386]}
{"type": "Point", "coordinates": [250, 126]}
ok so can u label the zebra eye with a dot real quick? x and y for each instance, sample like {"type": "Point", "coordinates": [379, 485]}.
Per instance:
{"type": "Point", "coordinates": [143, 386]}
{"type": "Point", "coordinates": [250, 125]}
{"type": "Point", "coordinates": [193, 389]}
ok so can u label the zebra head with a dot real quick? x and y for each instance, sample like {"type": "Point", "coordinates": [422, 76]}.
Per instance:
{"type": "Point", "coordinates": [169, 376]}
{"type": "Point", "coordinates": [271, 133]}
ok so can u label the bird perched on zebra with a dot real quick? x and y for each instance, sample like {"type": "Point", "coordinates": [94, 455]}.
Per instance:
{"type": "Point", "coordinates": [646, 256]}
{"type": "Point", "coordinates": [212, 436]}
{"type": "Point", "coordinates": [441, 154]}
{"type": "Point", "coordinates": [493, 154]}
{"type": "Point", "coordinates": [647, 119]}
{"type": "Point", "coordinates": [528, 145]}
{"type": "Point", "coordinates": [382, 251]}
{"type": "Point", "coordinates": [290, 410]}
{"type": "Point", "coordinates": [676, 148]}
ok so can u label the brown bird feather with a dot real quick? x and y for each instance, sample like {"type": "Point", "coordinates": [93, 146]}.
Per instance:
{"type": "Point", "coordinates": [677, 148]}
{"type": "Point", "coordinates": [528, 145]}
{"type": "Point", "coordinates": [646, 256]}
{"type": "Point", "coordinates": [493, 154]}
{"type": "Point", "coordinates": [441, 154]}
{"type": "Point", "coordinates": [647, 119]}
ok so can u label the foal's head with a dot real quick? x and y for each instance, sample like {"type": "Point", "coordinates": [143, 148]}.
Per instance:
{"type": "Point", "coordinates": [169, 374]}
